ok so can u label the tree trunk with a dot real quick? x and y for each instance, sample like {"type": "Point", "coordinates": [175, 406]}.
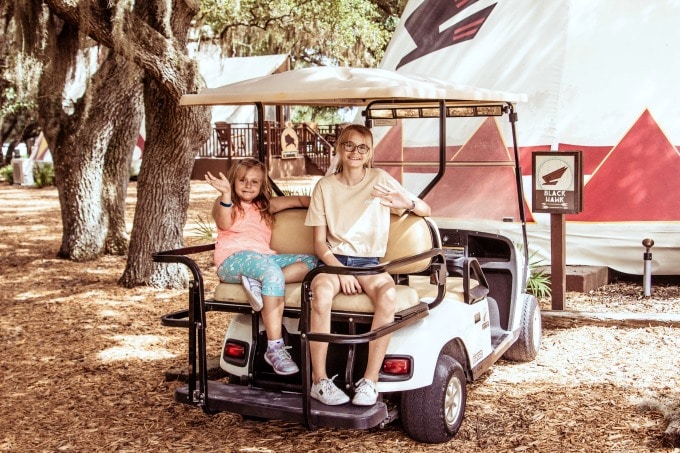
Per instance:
{"type": "Point", "coordinates": [127, 115]}
{"type": "Point", "coordinates": [154, 37]}
{"type": "Point", "coordinates": [163, 190]}
{"type": "Point", "coordinates": [92, 165]}
{"type": "Point", "coordinates": [173, 136]}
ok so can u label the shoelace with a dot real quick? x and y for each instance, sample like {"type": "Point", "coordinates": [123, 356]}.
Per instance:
{"type": "Point", "coordinates": [366, 388]}
{"type": "Point", "coordinates": [327, 385]}
{"type": "Point", "coordinates": [282, 353]}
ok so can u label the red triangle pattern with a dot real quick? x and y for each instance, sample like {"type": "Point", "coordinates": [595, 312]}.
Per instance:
{"type": "Point", "coordinates": [637, 181]}
{"type": "Point", "coordinates": [466, 192]}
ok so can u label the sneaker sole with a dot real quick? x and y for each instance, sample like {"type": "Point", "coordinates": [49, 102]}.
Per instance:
{"type": "Point", "coordinates": [359, 403]}
{"type": "Point", "coordinates": [255, 304]}
{"type": "Point", "coordinates": [331, 404]}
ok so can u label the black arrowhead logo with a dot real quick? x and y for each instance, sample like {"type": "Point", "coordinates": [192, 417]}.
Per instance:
{"type": "Point", "coordinates": [550, 179]}
{"type": "Point", "coordinates": [424, 23]}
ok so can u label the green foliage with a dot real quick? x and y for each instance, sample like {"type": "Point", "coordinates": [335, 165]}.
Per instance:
{"type": "Point", "coordinates": [313, 32]}
{"type": "Point", "coordinates": [538, 282]}
{"type": "Point", "coordinates": [43, 174]}
{"type": "Point", "coordinates": [319, 115]}
{"type": "Point", "coordinates": [14, 105]}
{"type": "Point", "coordinates": [203, 232]}
{"type": "Point", "coordinates": [7, 173]}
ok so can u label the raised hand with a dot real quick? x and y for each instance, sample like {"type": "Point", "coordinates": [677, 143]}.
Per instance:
{"type": "Point", "coordinates": [393, 197]}
{"type": "Point", "coordinates": [221, 184]}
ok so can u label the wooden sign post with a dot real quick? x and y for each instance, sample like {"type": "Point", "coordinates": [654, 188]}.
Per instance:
{"type": "Point", "coordinates": [557, 189]}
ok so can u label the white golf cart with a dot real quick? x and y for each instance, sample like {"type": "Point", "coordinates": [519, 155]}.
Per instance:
{"type": "Point", "coordinates": [461, 304]}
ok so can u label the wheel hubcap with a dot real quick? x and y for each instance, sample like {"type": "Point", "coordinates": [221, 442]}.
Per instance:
{"type": "Point", "coordinates": [452, 401]}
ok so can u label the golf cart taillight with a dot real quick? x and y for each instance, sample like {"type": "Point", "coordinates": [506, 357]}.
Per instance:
{"type": "Point", "coordinates": [397, 366]}
{"type": "Point", "coordinates": [235, 351]}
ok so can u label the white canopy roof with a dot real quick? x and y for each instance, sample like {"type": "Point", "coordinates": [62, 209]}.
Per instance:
{"type": "Point", "coordinates": [342, 86]}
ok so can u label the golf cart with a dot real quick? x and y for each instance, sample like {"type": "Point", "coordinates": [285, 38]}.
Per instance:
{"type": "Point", "coordinates": [461, 300]}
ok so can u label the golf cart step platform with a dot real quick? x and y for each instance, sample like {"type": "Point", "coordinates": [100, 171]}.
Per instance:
{"type": "Point", "coordinates": [259, 403]}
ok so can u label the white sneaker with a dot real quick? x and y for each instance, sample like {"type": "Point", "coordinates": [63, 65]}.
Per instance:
{"type": "Point", "coordinates": [281, 361]}
{"type": "Point", "coordinates": [253, 289]}
{"type": "Point", "coordinates": [328, 393]}
{"type": "Point", "coordinates": [366, 393]}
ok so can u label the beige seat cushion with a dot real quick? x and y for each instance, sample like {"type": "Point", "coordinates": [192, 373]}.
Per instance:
{"type": "Point", "coordinates": [406, 297]}
{"type": "Point", "coordinates": [409, 235]}
{"type": "Point", "coordinates": [290, 235]}
{"type": "Point", "coordinates": [454, 287]}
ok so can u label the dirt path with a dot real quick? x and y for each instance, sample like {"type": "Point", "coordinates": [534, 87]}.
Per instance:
{"type": "Point", "coordinates": [83, 362]}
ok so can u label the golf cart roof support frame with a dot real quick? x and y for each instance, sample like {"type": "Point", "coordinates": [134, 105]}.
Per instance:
{"type": "Point", "coordinates": [512, 117]}
{"type": "Point", "coordinates": [442, 141]}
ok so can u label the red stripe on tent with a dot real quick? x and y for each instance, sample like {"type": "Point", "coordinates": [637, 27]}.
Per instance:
{"type": "Point", "coordinates": [592, 155]}
{"type": "Point", "coordinates": [460, 4]}
{"type": "Point", "coordinates": [637, 181]}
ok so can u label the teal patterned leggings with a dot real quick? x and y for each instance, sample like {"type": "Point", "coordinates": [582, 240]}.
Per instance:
{"type": "Point", "coordinates": [262, 267]}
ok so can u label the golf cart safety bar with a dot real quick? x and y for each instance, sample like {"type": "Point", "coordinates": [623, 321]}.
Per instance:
{"type": "Point", "coordinates": [194, 318]}
{"type": "Point", "coordinates": [520, 189]}
{"type": "Point", "coordinates": [442, 141]}
{"type": "Point", "coordinates": [437, 269]}
{"type": "Point", "coordinates": [466, 267]}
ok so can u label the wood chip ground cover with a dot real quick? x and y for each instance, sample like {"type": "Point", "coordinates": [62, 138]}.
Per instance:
{"type": "Point", "coordinates": [83, 363]}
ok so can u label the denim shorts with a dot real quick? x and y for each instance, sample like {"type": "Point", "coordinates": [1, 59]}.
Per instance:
{"type": "Point", "coordinates": [358, 261]}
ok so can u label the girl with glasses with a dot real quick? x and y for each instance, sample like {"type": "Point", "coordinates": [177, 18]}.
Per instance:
{"type": "Point", "coordinates": [350, 212]}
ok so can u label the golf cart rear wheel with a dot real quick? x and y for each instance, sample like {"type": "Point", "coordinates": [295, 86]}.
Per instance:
{"type": "Point", "coordinates": [433, 414]}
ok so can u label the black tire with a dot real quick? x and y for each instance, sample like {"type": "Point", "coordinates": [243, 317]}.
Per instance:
{"type": "Point", "coordinates": [525, 349]}
{"type": "Point", "coordinates": [433, 414]}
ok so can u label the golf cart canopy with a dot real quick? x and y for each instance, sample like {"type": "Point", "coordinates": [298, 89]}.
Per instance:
{"type": "Point", "coordinates": [345, 87]}
{"type": "Point", "coordinates": [385, 97]}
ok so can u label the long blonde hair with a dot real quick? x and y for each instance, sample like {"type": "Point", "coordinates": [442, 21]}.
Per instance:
{"type": "Point", "coordinates": [261, 201]}
{"type": "Point", "coordinates": [344, 135]}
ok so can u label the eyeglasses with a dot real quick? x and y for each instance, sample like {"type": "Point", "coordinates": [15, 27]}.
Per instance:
{"type": "Point", "coordinates": [351, 146]}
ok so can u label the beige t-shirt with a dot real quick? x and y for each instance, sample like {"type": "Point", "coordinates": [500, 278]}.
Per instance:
{"type": "Point", "coordinates": [356, 223]}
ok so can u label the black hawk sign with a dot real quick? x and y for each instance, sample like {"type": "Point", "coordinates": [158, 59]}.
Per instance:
{"type": "Point", "coordinates": [557, 182]}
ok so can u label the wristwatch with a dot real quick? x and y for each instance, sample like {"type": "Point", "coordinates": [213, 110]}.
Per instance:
{"type": "Point", "coordinates": [413, 206]}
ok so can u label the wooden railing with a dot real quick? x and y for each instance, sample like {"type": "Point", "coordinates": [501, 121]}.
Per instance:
{"type": "Point", "coordinates": [237, 141]}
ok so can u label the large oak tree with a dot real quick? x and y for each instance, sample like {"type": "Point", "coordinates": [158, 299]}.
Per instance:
{"type": "Point", "coordinates": [142, 48]}
{"type": "Point", "coordinates": [153, 38]}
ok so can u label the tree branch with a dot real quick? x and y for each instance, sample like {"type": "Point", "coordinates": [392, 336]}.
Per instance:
{"type": "Point", "coordinates": [146, 47]}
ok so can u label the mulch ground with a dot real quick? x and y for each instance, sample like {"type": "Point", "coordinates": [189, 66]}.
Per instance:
{"type": "Point", "coordinates": [83, 364]}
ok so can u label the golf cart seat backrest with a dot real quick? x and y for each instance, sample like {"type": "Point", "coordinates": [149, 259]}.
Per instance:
{"type": "Point", "coordinates": [409, 235]}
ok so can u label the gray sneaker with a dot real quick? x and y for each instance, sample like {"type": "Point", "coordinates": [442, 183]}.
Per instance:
{"type": "Point", "coordinates": [281, 361]}
{"type": "Point", "coordinates": [366, 393]}
{"type": "Point", "coordinates": [328, 393]}
{"type": "Point", "coordinates": [253, 289]}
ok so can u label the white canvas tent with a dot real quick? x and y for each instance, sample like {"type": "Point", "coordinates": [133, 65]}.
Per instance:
{"type": "Point", "coordinates": [218, 70]}
{"type": "Point", "coordinates": [601, 78]}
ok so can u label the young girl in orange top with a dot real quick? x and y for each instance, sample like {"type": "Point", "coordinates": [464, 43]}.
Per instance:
{"type": "Point", "coordinates": [244, 217]}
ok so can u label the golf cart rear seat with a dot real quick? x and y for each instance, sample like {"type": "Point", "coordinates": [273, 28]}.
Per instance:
{"type": "Point", "coordinates": [414, 257]}
{"type": "Point", "coordinates": [409, 236]}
